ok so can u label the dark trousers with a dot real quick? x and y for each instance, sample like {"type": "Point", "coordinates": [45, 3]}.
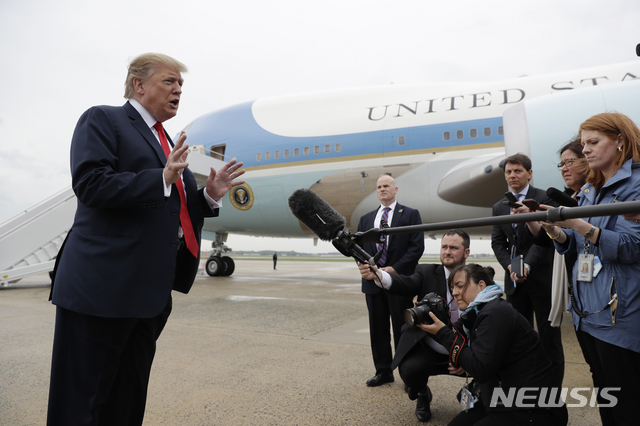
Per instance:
{"type": "Point", "coordinates": [613, 367]}
{"type": "Point", "coordinates": [100, 368]}
{"type": "Point", "coordinates": [420, 363]}
{"type": "Point", "coordinates": [528, 303]}
{"type": "Point", "coordinates": [383, 306]}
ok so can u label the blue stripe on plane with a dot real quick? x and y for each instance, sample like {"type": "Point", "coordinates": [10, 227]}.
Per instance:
{"type": "Point", "coordinates": [245, 138]}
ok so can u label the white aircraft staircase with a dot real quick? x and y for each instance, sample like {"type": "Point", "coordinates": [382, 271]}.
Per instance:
{"type": "Point", "coordinates": [30, 241]}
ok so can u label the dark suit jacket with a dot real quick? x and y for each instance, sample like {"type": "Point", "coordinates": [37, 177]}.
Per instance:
{"type": "Point", "coordinates": [427, 278]}
{"type": "Point", "coordinates": [404, 250]}
{"type": "Point", "coordinates": [539, 258]}
{"type": "Point", "coordinates": [119, 258]}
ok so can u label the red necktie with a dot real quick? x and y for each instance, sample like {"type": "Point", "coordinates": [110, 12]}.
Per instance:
{"type": "Point", "coordinates": [185, 219]}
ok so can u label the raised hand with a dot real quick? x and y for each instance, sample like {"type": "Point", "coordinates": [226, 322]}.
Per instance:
{"type": "Point", "coordinates": [219, 183]}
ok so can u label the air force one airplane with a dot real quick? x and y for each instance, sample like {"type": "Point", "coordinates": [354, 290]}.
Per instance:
{"type": "Point", "coordinates": [442, 142]}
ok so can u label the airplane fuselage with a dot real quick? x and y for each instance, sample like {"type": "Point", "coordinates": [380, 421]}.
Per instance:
{"type": "Point", "coordinates": [428, 137]}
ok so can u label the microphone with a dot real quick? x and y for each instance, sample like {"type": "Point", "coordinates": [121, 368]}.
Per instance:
{"type": "Point", "coordinates": [324, 221]}
{"type": "Point", "coordinates": [318, 215]}
{"type": "Point", "coordinates": [561, 198]}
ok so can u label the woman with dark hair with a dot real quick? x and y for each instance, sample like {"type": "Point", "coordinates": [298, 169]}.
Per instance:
{"type": "Point", "coordinates": [498, 347]}
{"type": "Point", "coordinates": [574, 169]}
{"type": "Point", "coordinates": [605, 301]}
{"type": "Point", "coordinates": [573, 166]}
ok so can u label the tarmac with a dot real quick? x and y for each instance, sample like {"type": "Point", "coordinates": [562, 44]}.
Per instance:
{"type": "Point", "coordinates": [262, 347]}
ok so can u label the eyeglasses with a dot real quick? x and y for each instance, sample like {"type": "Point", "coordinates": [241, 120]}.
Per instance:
{"type": "Point", "coordinates": [567, 163]}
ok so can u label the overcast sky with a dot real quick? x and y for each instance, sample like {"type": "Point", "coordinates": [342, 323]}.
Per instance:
{"type": "Point", "coordinates": [61, 57]}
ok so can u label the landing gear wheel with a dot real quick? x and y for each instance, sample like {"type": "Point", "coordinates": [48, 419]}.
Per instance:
{"type": "Point", "coordinates": [215, 266]}
{"type": "Point", "coordinates": [230, 266]}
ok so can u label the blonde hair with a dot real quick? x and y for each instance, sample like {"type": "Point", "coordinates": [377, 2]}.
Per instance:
{"type": "Point", "coordinates": [145, 65]}
{"type": "Point", "coordinates": [614, 125]}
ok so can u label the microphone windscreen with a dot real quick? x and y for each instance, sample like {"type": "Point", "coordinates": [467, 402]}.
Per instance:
{"type": "Point", "coordinates": [318, 215]}
{"type": "Point", "coordinates": [561, 198]}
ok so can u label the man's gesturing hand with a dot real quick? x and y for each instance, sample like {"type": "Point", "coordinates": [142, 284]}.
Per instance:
{"type": "Point", "coordinates": [218, 183]}
{"type": "Point", "coordinates": [176, 162]}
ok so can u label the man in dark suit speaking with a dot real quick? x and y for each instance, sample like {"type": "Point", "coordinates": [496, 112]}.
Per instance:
{"type": "Point", "coordinates": [401, 253]}
{"type": "Point", "coordinates": [418, 355]}
{"type": "Point", "coordinates": [529, 293]}
{"type": "Point", "coordinates": [135, 237]}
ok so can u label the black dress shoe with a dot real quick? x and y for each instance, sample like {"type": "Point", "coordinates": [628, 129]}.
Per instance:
{"type": "Point", "coordinates": [380, 379]}
{"type": "Point", "coordinates": [423, 409]}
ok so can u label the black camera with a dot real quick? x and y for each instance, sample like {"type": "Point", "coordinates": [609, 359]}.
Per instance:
{"type": "Point", "coordinates": [431, 302]}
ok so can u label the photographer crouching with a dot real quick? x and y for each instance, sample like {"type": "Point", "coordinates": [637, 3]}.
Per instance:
{"type": "Point", "coordinates": [418, 356]}
{"type": "Point", "coordinates": [497, 346]}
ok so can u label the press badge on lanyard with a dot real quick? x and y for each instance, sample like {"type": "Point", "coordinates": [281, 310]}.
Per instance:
{"type": "Point", "coordinates": [588, 265]}
{"type": "Point", "coordinates": [467, 400]}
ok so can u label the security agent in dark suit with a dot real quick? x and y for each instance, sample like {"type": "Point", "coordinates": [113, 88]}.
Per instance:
{"type": "Point", "coordinates": [127, 249]}
{"type": "Point", "coordinates": [418, 355]}
{"type": "Point", "coordinates": [531, 293]}
{"type": "Point", "coordinates": [402, 254]}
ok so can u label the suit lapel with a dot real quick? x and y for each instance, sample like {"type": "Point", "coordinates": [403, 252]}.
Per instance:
{"type": "Point", "coordinates": [521, 226]}
{"type": "Point", "coordinates": [530, 192]}
{"type": "Point", "coordinates": [504, 210]}
{"type": "Point", "coordinates": [372, 218]}
{"type": "Point", "coordinates": [440, 280]}
{"type": "Point", "coordinates": [397, 214]}
{"type": "Point", "coordinates": [369, 222]}
{"type": "Point", "coordinates": [144, 130]}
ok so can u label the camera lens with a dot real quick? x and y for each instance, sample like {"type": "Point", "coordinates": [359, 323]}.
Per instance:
{"type": "Point", "coordinates": [418, 315]}
{"type": "Point", "coordinates": [410, 316]}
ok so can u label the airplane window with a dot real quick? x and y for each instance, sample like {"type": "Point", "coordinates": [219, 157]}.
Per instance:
{"type": "Point", "coordinates": [400, 140]}
{"type": "Point", "coordinates": [316, 149]}
{"type": "Point", "coordinates": [486, 132]}
{"type": "Point", "coordinates": [267, 156]}
{"type": "Point", "coordinates": [296, 152]}
{"type": "Point", "coordinates": [259, 156]}
{"type": "Point", "coordinates": [459, 134]}
{"type": "Point", "coordinates": [276, 154]}
{"type": "Point", "coordinates": [473, 133]}
{"type": "Point", "coordinates": [327, 148]}
{"type": "Point", "coordinates": [446, 136]}
{"type": "Point", "coordinates": [286, 153]}
{"type": "Point", "coordinates": [306, 150]}
{"type": "Point", "coordinates": [338, 147]}
{"type": "Point", "coordinates": [500, 130]}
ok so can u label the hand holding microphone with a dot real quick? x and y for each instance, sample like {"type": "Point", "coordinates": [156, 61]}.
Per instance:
{"type": "Point", "coordinates": [369, 272]}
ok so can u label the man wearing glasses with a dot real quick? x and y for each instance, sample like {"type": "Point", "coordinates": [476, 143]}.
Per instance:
{"type": "Point", "coordinates": [418, 355]}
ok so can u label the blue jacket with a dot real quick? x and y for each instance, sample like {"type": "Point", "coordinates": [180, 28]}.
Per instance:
{"type": "Point", "coordinates": [619, 251]}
